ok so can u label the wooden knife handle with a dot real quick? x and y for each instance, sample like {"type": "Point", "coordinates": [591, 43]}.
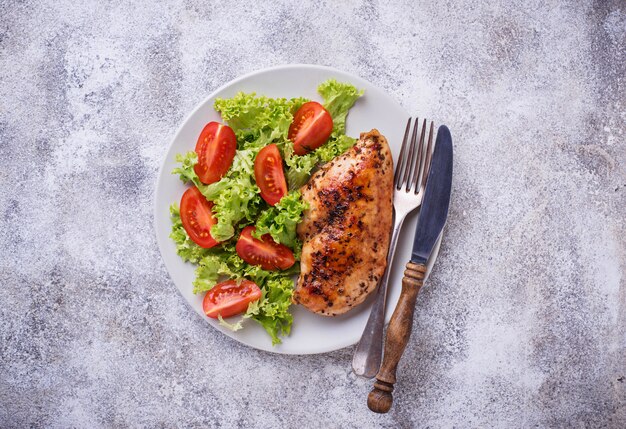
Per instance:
{"type": "Point", "coordinates": [398, 334]}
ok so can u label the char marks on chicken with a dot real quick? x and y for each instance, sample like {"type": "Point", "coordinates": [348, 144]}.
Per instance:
{"type": "Point", "coordinates": [346, 229]}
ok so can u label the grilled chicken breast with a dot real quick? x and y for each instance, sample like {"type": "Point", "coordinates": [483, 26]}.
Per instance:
{"type": "Point", "coordinates": [346, 230]}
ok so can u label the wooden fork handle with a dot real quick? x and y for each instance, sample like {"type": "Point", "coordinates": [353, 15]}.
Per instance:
{"type": "Point", "coordinates": [398, 334]}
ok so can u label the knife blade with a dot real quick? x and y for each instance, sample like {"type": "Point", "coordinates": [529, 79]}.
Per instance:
{"type": "Point", "coordinates": [434, 211]}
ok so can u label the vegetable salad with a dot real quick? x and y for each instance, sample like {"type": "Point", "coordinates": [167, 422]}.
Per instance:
{"type": "Point", "coordinates": [235, 200]}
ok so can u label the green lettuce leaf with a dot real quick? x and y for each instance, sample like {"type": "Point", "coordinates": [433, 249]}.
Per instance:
{"type": "Point", "coordinates": [281, 220]}
{"type": "Point", "coordinates": [258, 121]}
{"type": "Point", "coordinates": [338, 99]}
{"type": "Point", "coordinates": [185, 169]}
{"type": "Point", "coordinates": [299, 168]}
{"type": "Point", "coordinates": [221, 261]}
{"type": "Point", "coordinates": [334, 147]}
{"type": "Point", "coordinates": [272, 310]}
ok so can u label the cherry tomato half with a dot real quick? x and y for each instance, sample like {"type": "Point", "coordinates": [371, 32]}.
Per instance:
{"type": "Point", "coordinates": [197, 217]}
{"type": "Point", "coordinates": [267, 253]}
{"type": "Point", "coordinates": [216, 149]}
{"type": "Point", "coordinates": [229, 298]}
{"type": "Point", "coordinates": [311, 127]}
{"type": "Point", "coordinates": [269, 175]}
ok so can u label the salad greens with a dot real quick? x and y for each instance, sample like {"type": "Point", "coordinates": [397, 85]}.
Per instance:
{"type": "Point", "coordinates": [258, 121]}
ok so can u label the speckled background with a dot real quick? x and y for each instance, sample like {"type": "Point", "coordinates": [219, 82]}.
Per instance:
{"type": "Point", "coordinates": [523, 323]}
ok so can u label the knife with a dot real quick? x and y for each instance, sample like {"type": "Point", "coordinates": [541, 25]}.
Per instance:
{"type": "Point", "coordinates": [432, 218]}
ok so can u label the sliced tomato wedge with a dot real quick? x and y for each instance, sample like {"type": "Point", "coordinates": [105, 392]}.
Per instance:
{"type": "Point", "coordinates": [229, 298]}
{"type": "Point", "coordinates": [197, 217]}
{"type": "Point", "coordinates": [267, 253]}
{"type": "Point", "coordinates": [216, 149]}
{"type": "Point", "coordinates": [269, 174]}
{"type": "Point", "coordinates": [311, 127]}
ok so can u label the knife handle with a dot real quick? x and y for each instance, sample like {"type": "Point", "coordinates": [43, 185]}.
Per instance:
{"type": "Point", "coordinates": [398, 334]}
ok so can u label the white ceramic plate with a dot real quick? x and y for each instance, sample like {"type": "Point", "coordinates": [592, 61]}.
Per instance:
{"type": "Point", "coordinates": [310, 333]}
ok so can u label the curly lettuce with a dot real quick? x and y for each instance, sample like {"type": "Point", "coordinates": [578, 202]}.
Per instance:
{"type": "Point", "coordinates": [272, 310]}
{"type": "Point", "coordinates": [299, 168]}
{"type": "Point", "coordinates": [338, 100]}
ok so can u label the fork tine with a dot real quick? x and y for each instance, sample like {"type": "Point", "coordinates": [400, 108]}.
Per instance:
{"type": "Point", "coordinates": [399, 167]}
{"type": "Point", "coordinates": [429, 153]}
{"type": "Point", "coordinates": [421, 155]}
{"type": "Point", "coordinates": [410, 157]}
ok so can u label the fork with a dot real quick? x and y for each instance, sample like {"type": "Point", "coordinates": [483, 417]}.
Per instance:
{"type": "Point", "coordinates": [409, 184]}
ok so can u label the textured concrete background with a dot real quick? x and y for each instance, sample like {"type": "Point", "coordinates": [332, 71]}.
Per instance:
{"type": "Point", "coordinates": [523, 323]}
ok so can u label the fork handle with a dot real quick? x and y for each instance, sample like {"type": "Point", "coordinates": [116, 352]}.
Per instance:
{"type": "Point", "coordinates": [369, 350]}
{"type": "Point", "coordinates": [398, 334]}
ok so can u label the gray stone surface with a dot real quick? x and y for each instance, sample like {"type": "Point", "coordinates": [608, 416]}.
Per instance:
{"type": "Point", "coordinates": [523, 323]}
